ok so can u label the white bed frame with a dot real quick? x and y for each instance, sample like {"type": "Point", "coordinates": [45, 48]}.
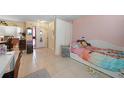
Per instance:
{"type": "Point", "coordinates": [100, 44]}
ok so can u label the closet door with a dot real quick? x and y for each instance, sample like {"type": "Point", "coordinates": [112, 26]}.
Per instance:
{"type": "Point", "coordinates": [63, 34]}
{"type": "Point", "coordinates": [68, 33]}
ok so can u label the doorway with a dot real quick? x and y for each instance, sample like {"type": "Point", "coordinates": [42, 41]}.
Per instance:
{"type": "Point", "coordinates": [39, 38]}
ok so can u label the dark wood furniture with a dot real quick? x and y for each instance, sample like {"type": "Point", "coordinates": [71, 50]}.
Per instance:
{"type": "Point", "coordinates": [9, 44]}
{"type": "Point", "coordinates": [22, 45]}
{"type": "Point", "coordinates": [14, 73]}
{"type": "Point", "coordinates": [29, 47]}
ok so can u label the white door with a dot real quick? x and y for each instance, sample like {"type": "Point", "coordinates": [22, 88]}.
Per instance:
{"type": "Point", "coordinates": [40, 42]}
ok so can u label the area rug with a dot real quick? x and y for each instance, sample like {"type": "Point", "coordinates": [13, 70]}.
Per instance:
{"type": "Point", "coordinates": [43, 73]}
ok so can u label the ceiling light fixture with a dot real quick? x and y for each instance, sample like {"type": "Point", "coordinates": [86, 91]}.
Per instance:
{"type": "Point", "coordinates": [43, 21]}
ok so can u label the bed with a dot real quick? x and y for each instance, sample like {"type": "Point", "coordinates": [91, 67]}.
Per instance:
{"type": "Point", "coordinates": [100, 44]}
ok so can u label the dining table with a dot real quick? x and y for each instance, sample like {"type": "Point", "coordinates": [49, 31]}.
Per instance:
{"type": "Point", "coordinates": [7, 62]}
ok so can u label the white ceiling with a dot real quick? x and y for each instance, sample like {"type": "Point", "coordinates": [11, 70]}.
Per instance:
{"type": "Point", "coordinates": [37, 17]}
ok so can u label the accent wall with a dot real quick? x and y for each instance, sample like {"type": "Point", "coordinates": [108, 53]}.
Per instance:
{"type": "Point", "coordinates": [108, 28]}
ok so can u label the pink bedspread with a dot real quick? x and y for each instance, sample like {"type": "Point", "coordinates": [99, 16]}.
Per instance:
{"type": "Point", "coordinates": [82, 52]}
{"type": "Point", "coordinates": [77, 51]}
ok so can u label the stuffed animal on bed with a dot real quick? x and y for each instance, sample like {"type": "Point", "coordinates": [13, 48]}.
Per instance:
{"type": "Point", "coordinates": [83, 43]}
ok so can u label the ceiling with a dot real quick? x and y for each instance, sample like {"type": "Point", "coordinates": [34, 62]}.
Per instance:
{"type": "Point", "coordinates": [38, 17]}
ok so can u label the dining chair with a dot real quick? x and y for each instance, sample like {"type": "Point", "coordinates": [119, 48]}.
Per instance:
{"type": "Point", "coordinates": [14, 73]}
{"type": "Point", "coordinates": [9, 44]}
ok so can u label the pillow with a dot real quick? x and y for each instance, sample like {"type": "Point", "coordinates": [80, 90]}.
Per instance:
{"type": "Point", "coordinates": [75, 45]}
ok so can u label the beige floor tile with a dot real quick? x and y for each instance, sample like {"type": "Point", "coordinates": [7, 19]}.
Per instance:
{"type": "Point", "coordinates": [57, 66]}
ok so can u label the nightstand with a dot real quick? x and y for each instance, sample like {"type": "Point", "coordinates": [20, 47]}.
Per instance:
{"type": "Point", "coordinates": [65, 51]}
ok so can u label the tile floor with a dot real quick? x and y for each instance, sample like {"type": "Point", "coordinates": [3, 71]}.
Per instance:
{"type": "Point", "coordinates": [57, 66]}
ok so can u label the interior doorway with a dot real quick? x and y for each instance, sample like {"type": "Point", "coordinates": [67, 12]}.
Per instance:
{"type": "Point", "coordinates": [40, 42]}
{"type": "Point", "coordinates": [39, 38]}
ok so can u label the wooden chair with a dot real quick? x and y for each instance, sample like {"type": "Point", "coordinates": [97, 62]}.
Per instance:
{"type": "Point", "coordinates": [9, 44]}
{"type": "Point", "coordinates": [14, 73]}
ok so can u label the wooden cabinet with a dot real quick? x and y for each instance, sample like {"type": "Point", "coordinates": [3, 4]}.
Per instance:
{"type": "Point", "coordinates": [22, 45]}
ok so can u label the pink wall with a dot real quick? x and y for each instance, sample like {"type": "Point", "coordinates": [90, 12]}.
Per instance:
{"type": "Point", "coordinates": [106, 28]}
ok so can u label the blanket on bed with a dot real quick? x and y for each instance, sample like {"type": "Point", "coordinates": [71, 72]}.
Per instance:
{"type": "Point", "coordinates": [106, 62]}
{"type": "Point", "coordinates": [105, 58]}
